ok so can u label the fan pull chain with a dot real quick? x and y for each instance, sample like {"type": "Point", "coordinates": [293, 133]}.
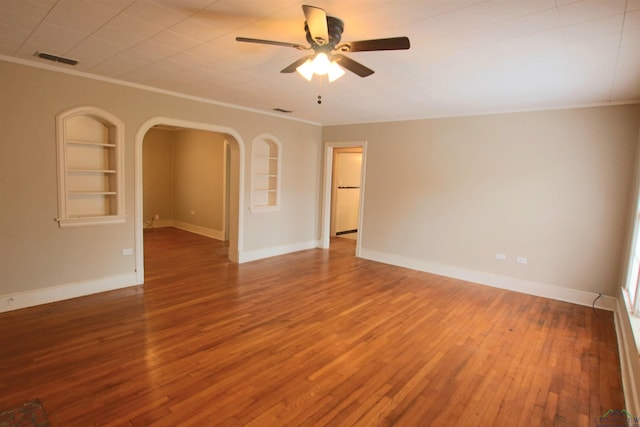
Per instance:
{"type": "Point", "coordinates": [320, 90]}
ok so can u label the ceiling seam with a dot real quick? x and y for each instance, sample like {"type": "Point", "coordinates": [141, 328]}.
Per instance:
{"type": "Point", "coordinates": [101, 26]}
{"type": "Point", "coordinates": [26, 40]}
{"type": "Point", "coordinates": [615, 67]}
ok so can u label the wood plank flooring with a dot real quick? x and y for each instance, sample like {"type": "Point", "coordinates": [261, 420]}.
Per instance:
{"type": "Point", "coordinates": [314, 338]}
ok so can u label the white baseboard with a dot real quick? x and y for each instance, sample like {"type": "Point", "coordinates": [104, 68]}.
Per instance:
{"type": "Point", "coordinates": [629, 359]}
{"type": "Point", "coordinates": [247, 256]}
{"type": "Point", "coordinates": [34, 297]}
{"type": "Point", "coordinates": [495, 280]}
{"type": "Point", "coordinates": [160, 223]}
{"type": "Point", "coordinates": [203, 231]}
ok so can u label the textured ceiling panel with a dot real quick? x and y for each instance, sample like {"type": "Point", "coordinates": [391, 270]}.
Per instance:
{"type": "Point", "coordinates": [466, 56]}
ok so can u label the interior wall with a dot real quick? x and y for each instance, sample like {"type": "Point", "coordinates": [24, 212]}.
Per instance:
{"type": "Point", "coordinates": [552, 187]}
{"type": "Point", "coordinates": [634, 205]}
{"type": "Point", "coordinates": [36, 254]}
{"type": "Point", "coordinates": [199, 178]}
{"type": "Point", "coordinates": [626, 324]}
{"type": "Point", "coordinates": [183, 173]}
{"type": "Point", "coordinates": [157, 170]}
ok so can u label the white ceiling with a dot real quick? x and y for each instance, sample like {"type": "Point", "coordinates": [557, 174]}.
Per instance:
{"type": "Point", "coordinates": [467, 56]}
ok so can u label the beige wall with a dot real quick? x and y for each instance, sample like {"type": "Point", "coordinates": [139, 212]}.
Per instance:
{"type": "Point", "coordinates": [157, 168]}
{"type": "Point", "coordinates": [35, 253]}
{"type": "Point", "coordinates": [626, 327]}
{"type": "Point", "coordinates": [198, 178]}
{"type": "Point", "coordinates": [184, 173]}
{"type": "Point", "coordinates": [551, 186]}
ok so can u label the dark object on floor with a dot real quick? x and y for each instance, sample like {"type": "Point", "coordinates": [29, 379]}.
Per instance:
{"type": "Point", "coordinates": [29, 414]}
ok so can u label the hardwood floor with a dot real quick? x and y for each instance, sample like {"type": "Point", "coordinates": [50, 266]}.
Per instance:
{"type": "Point", "coordinates": [314, 338]}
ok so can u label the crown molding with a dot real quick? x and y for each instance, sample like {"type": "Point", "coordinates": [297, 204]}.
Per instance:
{"type": "Point", "coordinates": [112, 80]}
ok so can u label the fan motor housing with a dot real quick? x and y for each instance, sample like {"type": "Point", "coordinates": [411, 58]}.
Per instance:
{"type": "Point", "coordinates": [335, 27]}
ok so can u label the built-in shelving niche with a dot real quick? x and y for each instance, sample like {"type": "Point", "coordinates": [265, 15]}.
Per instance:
{"type": "Point", "coordinates": [266, 157]}
{"type": "Point", "coordinates": [90, 172]}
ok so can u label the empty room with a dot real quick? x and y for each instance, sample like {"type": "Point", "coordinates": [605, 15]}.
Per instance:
{"type": "Point", "coordinates": [270, 213]}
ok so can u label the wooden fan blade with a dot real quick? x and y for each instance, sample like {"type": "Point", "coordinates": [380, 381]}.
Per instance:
{"type": "Point", "coordinates": [317, 23]}
{"type": "Point", "coordinates": [393, 43]}
{"type": "Point", "coordinates": [353, 66]}
{"type": "Point", "coordinates": [292, 67]}
{"type": "Point", "coordinates": [271, 42]}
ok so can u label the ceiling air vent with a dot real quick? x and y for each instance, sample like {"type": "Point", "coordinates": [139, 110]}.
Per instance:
{"type": "Point", "coordinates": [282, 110]}
{"type": "Point", "coordinates": [55, 58]}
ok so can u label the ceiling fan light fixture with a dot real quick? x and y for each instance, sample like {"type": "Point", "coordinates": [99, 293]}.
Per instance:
{"type": "Point", "coordinates": [335, 71]}
{"type": "Point", "coordinates": [324, 34]}
{"type": "Point", "coordinates": [306, 69]}
{"type": "Point", "coordinates": [320, 65]}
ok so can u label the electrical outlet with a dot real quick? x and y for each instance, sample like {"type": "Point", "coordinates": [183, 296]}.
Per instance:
{"type": "Point", "coordinates": [501, 257]}
{"type": "Point", "coordinates": [156, 217]}
{"type": "Point", "coordinates": [521, 260]}
{"type": "Point", "coordinates": [127, 251]}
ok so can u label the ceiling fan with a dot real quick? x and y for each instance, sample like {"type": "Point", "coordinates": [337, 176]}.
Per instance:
{"type": "Point", "coordinates": [323, 34]}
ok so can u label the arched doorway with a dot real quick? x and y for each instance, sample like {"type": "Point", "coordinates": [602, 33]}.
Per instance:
{"type": "Point", "coordinates": [236, 185]}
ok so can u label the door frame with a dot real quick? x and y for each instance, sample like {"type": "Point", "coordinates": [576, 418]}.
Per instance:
{"type": "Point", "coordinates": [325, 225]}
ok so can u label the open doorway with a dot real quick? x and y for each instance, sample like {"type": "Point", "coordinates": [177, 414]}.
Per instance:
{"type": "Point", "coordinates": [197, 204]}
{"type": "Point", "coordinates": [345, 192]}
{"type": "Point", "coordinates": [184, 180]}
{"type": "Point", "coordinates": [343, 195]}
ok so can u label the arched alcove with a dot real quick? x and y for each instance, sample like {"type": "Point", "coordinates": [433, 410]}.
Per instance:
{"type": "Point", "coordinates": [90, 172]}
{"type": "Point", "coordinates": [266, 167]}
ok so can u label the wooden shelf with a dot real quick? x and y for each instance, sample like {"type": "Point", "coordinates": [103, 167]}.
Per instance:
{"type": "Point", "coordinates": [92, 193]}
{"type": "Point", "coordinates": [91, 171]}
{"type": "Point", "coordinates": [90, 143]}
